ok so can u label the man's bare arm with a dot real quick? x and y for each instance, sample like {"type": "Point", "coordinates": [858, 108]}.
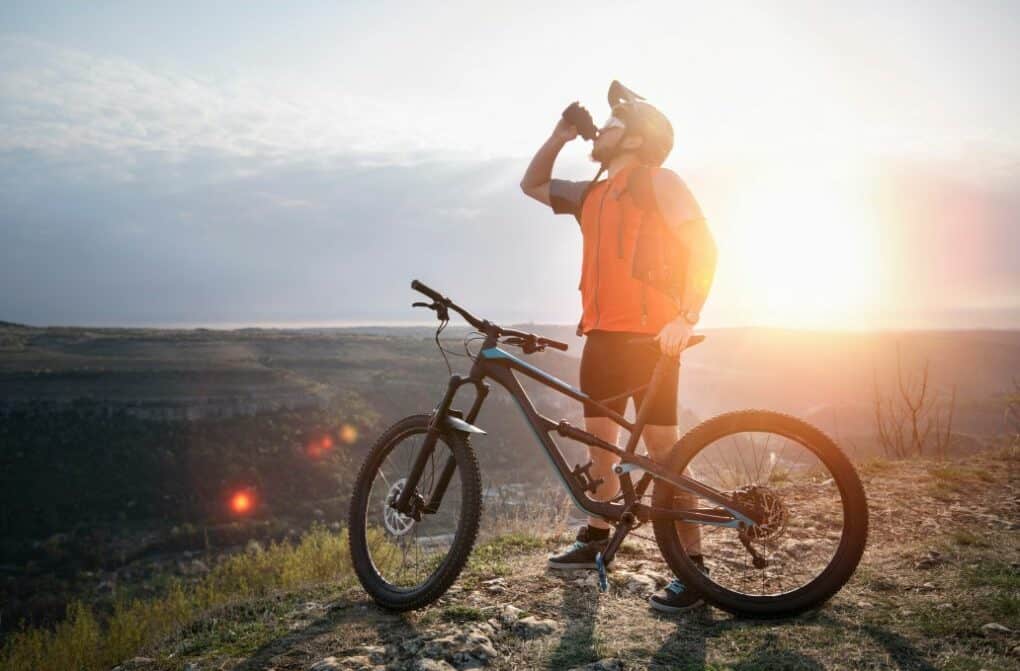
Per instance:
{"type": "Point", "coordinates": [536, 178]}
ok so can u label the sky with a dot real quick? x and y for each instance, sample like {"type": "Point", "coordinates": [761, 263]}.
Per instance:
{"type": "Point", "coordinates": [222, 163]}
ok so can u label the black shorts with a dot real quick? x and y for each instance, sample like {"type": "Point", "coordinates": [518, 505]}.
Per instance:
{"type": "Point", "coordinates": [610, 366]}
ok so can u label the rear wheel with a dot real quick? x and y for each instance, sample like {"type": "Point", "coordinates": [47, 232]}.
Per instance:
{"type": "Point", "coordinates": [401, 561]}
{"type": "Point", "coordinates": [816, 515]}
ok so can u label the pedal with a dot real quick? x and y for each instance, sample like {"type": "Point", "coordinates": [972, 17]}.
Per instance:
{"type": "Point", "coordinates": [601, 567]}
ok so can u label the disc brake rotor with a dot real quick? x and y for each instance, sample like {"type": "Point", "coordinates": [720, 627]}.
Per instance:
{"type": "Point", "coordinates": [395, 522]}
{"type": "Point", "coordinates": [771, 509]}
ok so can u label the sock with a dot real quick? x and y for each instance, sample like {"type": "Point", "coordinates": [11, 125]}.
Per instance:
{"type": "Point", "coordinates": [596, 534]}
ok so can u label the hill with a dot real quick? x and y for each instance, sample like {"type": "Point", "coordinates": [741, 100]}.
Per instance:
{"type": "Point", "coordinates": [938, 588]}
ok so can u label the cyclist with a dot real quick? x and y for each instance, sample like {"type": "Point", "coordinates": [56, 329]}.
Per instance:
{"type": "Point", "coordinates": [615, 309]}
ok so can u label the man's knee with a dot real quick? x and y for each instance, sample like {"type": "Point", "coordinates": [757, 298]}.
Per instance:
{"type": "Point", "coordinates": [660, 439]}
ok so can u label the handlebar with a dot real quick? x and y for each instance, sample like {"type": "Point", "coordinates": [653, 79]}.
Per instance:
{"type": "Point", "coordinates": [441, 304]}
{"type": "Point", "coordinates": [431, 293]}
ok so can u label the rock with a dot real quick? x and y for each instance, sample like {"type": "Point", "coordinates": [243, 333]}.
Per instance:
{"type": "Point", "coordinates": [327, 664]}
{"type": "Point", "coordinates": [412, 645]}
{"type": "Point", "coordinates": [468, 649]}
{"type": "Point", "coordinates": [532, 627]}
{"type": "Point", "coordinates": [931, 560]}
{"type": "Point", "coordinates": [509, 614]}
{"type": "Point", "coordinates": [995, 629]}
{"type": "Point", "coordinates": [927, 587]}
{"type": "Point", "coordinates": [376, 653]}
{"type": "Point", "coordinates": [426, 664]}
{"type": "Point", "coordinates": [608, 664]}
{"type": "Point", "coordinates": [357, 663]}
{"type": "Point", "coordinates": [485, 628]}
{"type": "Point", "coordinates": [479, 645]}
{"type": "Point", "coordinates": [641, 584]}
{"type": "Point", "coordinates": [440, 648]}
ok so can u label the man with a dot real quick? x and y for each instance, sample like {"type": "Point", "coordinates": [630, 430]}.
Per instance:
{"type": "Point", "coordinates": [616, 307]}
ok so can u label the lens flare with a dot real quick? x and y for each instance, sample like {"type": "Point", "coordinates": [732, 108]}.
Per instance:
{"type": "Point", "coordinates": [242, 502]}
{"type": "Point", "coordinates": [348, 433]}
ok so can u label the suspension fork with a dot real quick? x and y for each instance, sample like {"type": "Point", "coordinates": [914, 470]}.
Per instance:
{"type": "Point", "coordinates": [415, 508]}
{"type": "Point", "coordinates": [451, 464]}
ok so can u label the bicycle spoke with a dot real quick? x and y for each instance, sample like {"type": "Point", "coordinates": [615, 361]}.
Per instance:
{"type": "Point", "coordinates": [410, 551]}
{"type": "Point", "coordinates": [782, 481]}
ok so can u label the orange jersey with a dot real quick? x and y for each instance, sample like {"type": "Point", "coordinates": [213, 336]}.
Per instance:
{"type": "Point", "coordinates": [611, 299]}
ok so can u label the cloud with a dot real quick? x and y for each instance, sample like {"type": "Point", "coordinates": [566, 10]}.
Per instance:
{"type": "Point", "coordinates": [134, 195]}
{"type": "Point", "coordinates": [64, 103]}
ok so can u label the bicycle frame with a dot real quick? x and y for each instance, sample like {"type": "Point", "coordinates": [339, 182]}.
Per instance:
{"type": "Point", "coordinates": [499, 365]}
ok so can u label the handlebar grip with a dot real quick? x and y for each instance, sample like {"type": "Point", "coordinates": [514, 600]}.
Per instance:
{"type": "Point", "coordinates": [555, 344]}
{"type": "Point", "coordinates": [431, 293]}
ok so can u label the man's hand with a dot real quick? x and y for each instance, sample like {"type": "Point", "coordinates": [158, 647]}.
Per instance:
{"type": "Point", "coordinates": [674, 336]}
{"type": "Point", "coordinates": [564, 131]}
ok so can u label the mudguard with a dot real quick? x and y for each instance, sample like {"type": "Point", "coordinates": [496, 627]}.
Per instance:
{"type": "Point", "coordinates": [458, 424]}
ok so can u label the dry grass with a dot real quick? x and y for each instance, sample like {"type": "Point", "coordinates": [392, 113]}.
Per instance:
{"type": "Point", "coordinates": [81, 642]}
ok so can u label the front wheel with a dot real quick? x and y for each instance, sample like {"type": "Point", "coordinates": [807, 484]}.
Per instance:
{"type": "Point", "coordinates": [815, 514]}
{"type": "Point", "coordinates": [406, 562]}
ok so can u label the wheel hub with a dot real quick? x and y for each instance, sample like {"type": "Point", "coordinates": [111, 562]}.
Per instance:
{"type": "Point", "coordinates": [769, 507]}
{"type": "Point", "coordinates": [396, 522]}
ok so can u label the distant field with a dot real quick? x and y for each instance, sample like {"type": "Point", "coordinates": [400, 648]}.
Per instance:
{"type": "Point", "coordinates": [181, 414]}
{"type": "Point", "coordinates": [824, 376]}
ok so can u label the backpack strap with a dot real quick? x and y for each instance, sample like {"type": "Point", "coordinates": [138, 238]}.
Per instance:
{"type": "Point", "coordinates": [642, 193]}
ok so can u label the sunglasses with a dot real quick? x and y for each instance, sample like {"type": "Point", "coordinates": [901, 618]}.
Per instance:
{"type": "Point", "coordinates": [613, 122]}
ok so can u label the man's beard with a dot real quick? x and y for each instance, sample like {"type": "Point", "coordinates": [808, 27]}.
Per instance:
{"type": "Point", "coordinates": [604, 154]}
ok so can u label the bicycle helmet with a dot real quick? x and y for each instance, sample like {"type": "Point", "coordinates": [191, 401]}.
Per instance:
{"type": "Point", "coordinates": [644, 120]}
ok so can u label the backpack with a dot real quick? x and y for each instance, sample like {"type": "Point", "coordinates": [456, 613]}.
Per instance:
{"type": "Point", "coordinates": [660, 259]}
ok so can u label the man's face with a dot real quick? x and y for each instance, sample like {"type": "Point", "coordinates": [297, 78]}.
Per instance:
{"type": "Point", "coordinates": [606, 143]}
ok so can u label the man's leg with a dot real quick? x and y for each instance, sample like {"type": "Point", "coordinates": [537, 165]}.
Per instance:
{"type": "Point", "coordinates": [659, 440]}
{"type": "Point", "coordinates": [602, 463]}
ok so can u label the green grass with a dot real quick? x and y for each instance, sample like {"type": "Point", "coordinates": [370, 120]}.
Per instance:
{"type": "Point", "coordinates": [951, 473]}
{"type": "Point", "coordinates": [84, 643]}
{"type": "Point", "coordinates": [875, 465]}
{"type": "Point", "coordinates": [491, 557]}
{"type": "Point", "coordinates": [461, 614]}
{"type": "Point", "coordinates": [968, 539]}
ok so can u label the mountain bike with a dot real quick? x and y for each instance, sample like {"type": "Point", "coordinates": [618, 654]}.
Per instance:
{"type": "Point", "coordinates": [782, 511]}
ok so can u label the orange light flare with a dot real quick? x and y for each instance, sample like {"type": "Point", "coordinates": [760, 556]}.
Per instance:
{"type": "Point", "coordinates": [242, 502]}
{"type": "Point", "coordinates": [348, 433]}
{"type": "Point", "coordinates": [318, 447]}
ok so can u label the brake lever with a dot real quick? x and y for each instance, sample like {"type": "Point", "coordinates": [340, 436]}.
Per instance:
{"type": "Point", "coordinates": [441, 310]}
{"type": "Point", "coordinates": [528, 345]}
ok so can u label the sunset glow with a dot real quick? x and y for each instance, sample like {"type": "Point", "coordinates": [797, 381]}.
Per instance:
{"type": "Point", "coordinates": [800, 248]}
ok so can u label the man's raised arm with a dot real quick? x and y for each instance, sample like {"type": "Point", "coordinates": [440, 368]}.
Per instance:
{"type": "Point", "coordinates": [539, 173]}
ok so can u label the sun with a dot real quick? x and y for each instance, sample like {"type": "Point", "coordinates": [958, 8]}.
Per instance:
{"type": "Point", "coordinates": [799, 248]}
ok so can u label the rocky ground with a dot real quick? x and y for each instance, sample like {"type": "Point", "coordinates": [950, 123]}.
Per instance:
{"type": "Point", "coordinates": [938, 588]}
